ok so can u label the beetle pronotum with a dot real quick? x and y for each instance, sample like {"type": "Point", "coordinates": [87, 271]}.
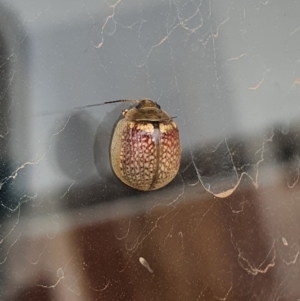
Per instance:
{"type": "Point", "coordinates": [145, 149]}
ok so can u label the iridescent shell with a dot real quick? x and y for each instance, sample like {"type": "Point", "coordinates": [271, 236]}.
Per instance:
{"type": "Point", "coordinates": [145, 149]}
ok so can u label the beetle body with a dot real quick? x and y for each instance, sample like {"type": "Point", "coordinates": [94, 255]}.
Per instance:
{"type": "Point", "coordinates": [145, 148]}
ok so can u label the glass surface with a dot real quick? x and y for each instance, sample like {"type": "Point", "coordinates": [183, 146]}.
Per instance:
{"type": "Point", "coordinates": [227, 227]}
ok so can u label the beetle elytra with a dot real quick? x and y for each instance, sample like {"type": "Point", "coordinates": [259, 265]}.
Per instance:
{"type": "Point", "coordinates": [145, 150]}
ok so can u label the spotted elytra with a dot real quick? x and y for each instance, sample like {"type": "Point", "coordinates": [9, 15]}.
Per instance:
{"type": "Point", "coordinates": [145, 149]}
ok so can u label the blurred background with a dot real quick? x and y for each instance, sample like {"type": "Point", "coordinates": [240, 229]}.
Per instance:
{"type": "Point", "coordinates": [227, 227]}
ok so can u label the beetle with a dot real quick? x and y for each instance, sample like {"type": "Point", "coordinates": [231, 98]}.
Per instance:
{"type": "Point", "coordinates": [145, 149]}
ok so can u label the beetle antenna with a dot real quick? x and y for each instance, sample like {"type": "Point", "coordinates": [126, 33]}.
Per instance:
{"type": "Point", "coordinates": [108, 102]}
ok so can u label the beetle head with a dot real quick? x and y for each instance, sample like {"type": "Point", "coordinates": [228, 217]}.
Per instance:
{"type": "Point", "coordinates": [146, 110]}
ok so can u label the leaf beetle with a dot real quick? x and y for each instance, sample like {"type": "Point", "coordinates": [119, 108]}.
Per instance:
{"type": "Point", "coordinates": [145, 149]}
